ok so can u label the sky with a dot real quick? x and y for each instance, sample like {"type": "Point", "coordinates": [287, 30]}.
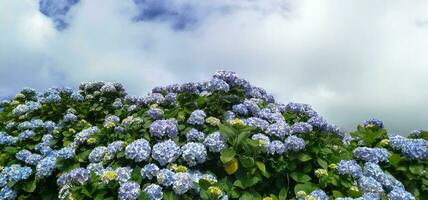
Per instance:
{"type": "Point", "coordinates": [351, 60]}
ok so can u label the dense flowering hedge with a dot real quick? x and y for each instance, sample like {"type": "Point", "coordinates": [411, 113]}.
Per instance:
{"type": "Point", "coordinates": [218, 139]}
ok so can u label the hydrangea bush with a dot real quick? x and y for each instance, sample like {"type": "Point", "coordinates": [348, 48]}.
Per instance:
{"type": "Point", "coordinates": [219, 139]}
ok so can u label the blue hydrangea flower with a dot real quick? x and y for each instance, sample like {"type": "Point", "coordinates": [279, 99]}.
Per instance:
{"type": "Point", "coordinates": [22, 155]}
{"type": "Point", "coordinates": [108, 88]}
{"type": "Point", "coordinates": [149, 171]}
{"type": "Point", "coordinates": [129, 191]}
{"type": "Point", "coordinates": [123, 174]}
{"type": "Point", "coordinates": [415, 149]}
{"type": "Point", "coordinates": [27, 134]}
{"type": "Point", "coordinates": [318, 122]}
{"type": "Point", "coordinates": [374, 155]}
{"type": "Point", "coordinates": [76, 96]}
{"type": "Point", "coordinates": [70, 117]}
{"type": "Point", "coordinates": [319, 195]}
{"type": "Point", "coordinates": [166, 152]}
{"type": "Point", "coordinates": [301, 127]}
{"type": "Point", "coordinates": [374, 122]}
{"type": "Point", "coordinates": [197, 117]}
{"type": "Point", "coordinates": [228, 76]}
{"type": "Point", "coordinates": [388, 182]}
{"type": "Point", "coordinates": [14, 173]}
{"type": "Point", "coordinates": [193, 153]}
{"type": "Point", "coordinates": [97, 168]}
{"type": "Point", "coordinates": [251, 106]}
{"type": "Point", "coordinates": [79, 175]}
{"type": "Point", "coordinates": [97, 154]}
{"type": "Point", "coordinates": [182, 183]}
{"type": "Point", "coordinates": [215, 142]}
{"type": "Point", "coordinates": [350, 167]}
{"type": "Point", "coordinates": [278, 129]}
{"type": "Point", "coordinates": [25, 125]}
{"type": "Point", "coordinates": [111, 119]}
{"type": "Point", "coordinates": [240, 109]}
{"type": "Point", "coordinates": [275, 147]}
{"type": "Point", "coordinates": [300, 108]}
{"type": "Point", "coordinates": [194, 135]}
{"type": "Point", "coordinates": [46, 166]}
{"type": "Point", "coordinates": [139, 150]}
{"type": "Point", "coordinates": [85, 134]}
{"type": "Point", "coordinates": [216, 84]}
{"type": "Point", "coordinates": [171, 98]}
{"type": "Point", "coordinates": [155, 113]}
{"type": "Point", "coordinates": [117, 103]}
{"type": "Point", "coordinates": [369, 196]}
{"type": "Point", "coordinates": [369, 185]}
{"type": "Point", "coordinates": [400, 194]}
{"type": "Point", "coordinates": [159, 128]}
{"type": "Point", "coordinates": [229, 115]}
{"type": "Point", "coordinates": [7, 193]}
{"type": "Point", "coordinates": [66, 153]}
{"type": "Point", "coordinates": [256, 122]}
{"type": "Point", "coordinates": [115, 147]}
{"type": "Point", "coordinates": [261, 138]}
{"type": "Point", "coordinates": [165, 177]}
{"type": "Point", "coordinates": [294, 143]}
{"type": "Point", "coordinates": [6, 139]}
{"type": "Point", "coordinates": [49, 126]}
{"type": "Point", "coordinates": [154, 192]}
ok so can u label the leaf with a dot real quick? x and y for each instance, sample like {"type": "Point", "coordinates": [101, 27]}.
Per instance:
{"type": "Point", "coordinates": [300, 177]}
{"type": "Point", "coordinates": [304, 157]}
{"type": "Point", "coordinates": [227, 155]}
{"type": "Point", "coordinates": [283, 194]}
{"type": "Point", "coordinates": [262, 168]}
{"type": "Point", "coordinates": [307, 187]}
{"type": "Point", "coordinates": [322, 163]}
{"type": "Point", "coordinates": [227, 131]}
{"type": "Point", "coordinates": [247, 162]}
{"type": "Point", "coordinates": [416, 169]}
{"type": "Point", "coordinates": [337, 194]}
{"type": "Point", "coordinates": [30, 186]}
{"type": "Point", "coordinates": [81, 157]}
{"type": "Point", "coordinates": [394, 159]}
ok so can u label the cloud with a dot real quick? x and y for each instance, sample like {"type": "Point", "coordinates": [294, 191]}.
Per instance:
{"type": "Point", "coordinates": [351, 61]}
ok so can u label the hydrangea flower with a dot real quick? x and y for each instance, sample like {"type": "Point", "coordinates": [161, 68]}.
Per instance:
{"type": "Point", "coordinates": [369, 185]}
{"type": "Point", "coordinates": [194, 135]}
{"type": "Point", "coordinates": [70, 117]}
{"type": "Point", "coordinates": [79, 175]}
{"type": "Point", "coordinates": [155, 113]}
{"type": "Point", "coordinates": [294, 143]}
{"type": "Point", "coordinates": [301, 127]}
{"type": "Point", "coordinates": [76, 96]}
{"type": "Point", "coordinates": [374, 155]}
{"type": "Point", "coordinates": [350, 167]}
{"type": "Point", "coordinates": [149, 171]}
{"type": "Point", "coordinates": [240, 109]}
{"type": "Point", "coordinates": [97, 168]}
{"type": "Point", "coordinates": [216, 84]}
{"type": "Point", "coordinates": [319, 195]}
{"type": "Point", "coordinates": [129, 191]}
{"type": "Point", "coordinates": [27, 134]}
{"type": "Point", "coordinates": [275, 147]}
{"type": "Point", "coordinates": [115, 147]}
{"type": "Point", "coordinates": [66, 153]}
{"type": "Point", "coordinates": [194, 153]}
{"type": "Point", "coordinates": [154, 192]}
{"type": "Point", "coordinates": [97, 154]}
{"type": "Point", "coordinates": [165, 177]}
{"type": "Point", "coordinates": [46, 166]}
{"type": "Point", "coordinates": [197, 117]}
{"type": "Point", "coordinates": [7, 193]}
{"type": "Point", "coordinates": [85, 134]}
{"type": "Point", "coordinates": [123, 174]}
{"type": "Point", "coordinates": [139, 150]}
{"type": "Point", "coordinates": [373, 122]}
{"type": "Point", "coordinates": [229, 115]}
{"type": "Point", "coordinates": [215, 142]}
{"type": "Point", "coordinates": [117, 103]}
{"type": "Point", "coordinates": [159, 128]}
{"type": "Point", "coordinates": [111, 121]}
{"type": "Point", "coordinates": [14, 173]}
{"type": "Point", "coordinates": [182, 183]}
{"type": "Point", "coordinates": [257, 122]}
{"type": "Point", "coordinates": [318, 122]}
{"type": "Point", "coordinates": [300, 108]}
{"type": "Point", "coordinates": [262, 139]}
{"type": "Point", "coordinates": [278, 129]}
{"type": "Point", "coordinates": [171, 98]}
{"type": "Point", "coordinates": [6, 139]}
{"type": "Point", "coordinates": [166, 152]}
{"type": "Point", "coordinates": [400, 194]}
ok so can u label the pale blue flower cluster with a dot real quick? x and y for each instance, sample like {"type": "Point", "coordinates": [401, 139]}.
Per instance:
{"type": "Point", "coordinates": [46, 166]}
{"type": "Point", "coordinates": [261, 137]}
{"type": "Point", "coordinates": [29, 106]}
{"type": "Point", "coordinates": [166, 152]}
{"type": "Point", "coordinates": [97, 154]}
{"type": "Point", "coordinates": [349, 167]}
{"type": "Point", "coordinates": [374, 155]}
{"type": "Point", "coordinates": [129, 191]}
{"type": "Point", "coordinates": [149, 171]}
{"type": "Point", "coordinates": [193, 135]}
{"type": "Point", "coordinates": [275, 147]}
{"type": "Point", "coordinates": [215, 142]}
{"type": "Point", "coordinates": [85, 134]}
{"type": "Point", "coordinates": [374, 122]}
{"type": "Point", "coordinates": [139, 150]}
{"type": "Point", "coordinates": [27, 134]}
{"type": "Point", "coordinates": [70, 117]}
{"type": "Point", "coordinates": [14, 173]}
{"type": "Point", "coordinates": [294, 143]}
{"type": "Point", "coordinates": [197, 117]}
{"type": "Point", "coordinates": [412, 148]}
{"type": "Point", "coordinates": [155, 113]}
{"type": "Point", "coordinates": [160, 128]}
{"type": "Point", "coordinates": [6, 139]}
{"type": "Point", "coordinates": [182, 183]}
{"type": "Point", "coordinates": [154, 192]}
{"type": "Point", "coordinates": [257, 122]}
{"type": "Point", "coordinates": [301, 127]}
{"type": "Point", "coordinates": [28, 157]}
{"type": "Point", "coordinates": [112, 119]}
{"type": "Point", "coordinates": [193, 153]}
{"type": "Point", "coordinates": [7, 193]}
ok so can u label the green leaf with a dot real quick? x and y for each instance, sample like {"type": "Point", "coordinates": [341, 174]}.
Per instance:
{"type": "Point", "coordinates": [227, 131]}
{"type": "Point", "coordinates": [81, 157]}
{"type": "Point", "coordinates": [337, 194]}
{"type": "Point", "coordinates": [306, 187]}
{"type": "Point", "coordinates": [416, 169]}
{"type": "Point", "coordinates": [394, 159]}
{"type": "Point", "coordinates": [247, 162]}
{"type": "Point", "coordinates": [304, 157]}
{"type": "Point", "coordinates": [300, 177]}
{"type": "Point", "coordinates": [30, 186]}
{"type": "Point", "coordinates": [283, 194]}
{"type": "Point", "coordinates": [227, 155]}
{"type": "Point", "coordinates": [322, 163]}
{"type": "Point", "coordinates": [262, 168]}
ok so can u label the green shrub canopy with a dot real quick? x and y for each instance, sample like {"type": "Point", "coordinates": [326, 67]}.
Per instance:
{"type": "Point", "coordinates": [218, 139]}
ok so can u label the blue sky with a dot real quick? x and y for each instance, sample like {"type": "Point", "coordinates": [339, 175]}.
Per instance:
{"type": "Point", "coordinates": [349, 60]}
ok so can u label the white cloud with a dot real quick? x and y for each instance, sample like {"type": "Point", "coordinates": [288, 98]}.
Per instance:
{"type": "Point", "coordinates": [350, 60]}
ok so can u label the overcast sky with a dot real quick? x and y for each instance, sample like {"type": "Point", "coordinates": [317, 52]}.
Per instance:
{"type": "Point", "coordinates": [351, 60]}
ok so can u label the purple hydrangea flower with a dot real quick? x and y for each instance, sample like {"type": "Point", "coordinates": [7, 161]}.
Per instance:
{"type": "Point", "coordinates": [165, 177]}
{"type": "Point", "coordinates": [197, 117]}
{"type": "Point", "coordinates": [166, 152]}
{"type": "Point", "coordinates": [215, 142]}
{"type": "Point", "coordinates": [261, 137]}
{"type": "Point", "coordinates": [79, 175]}
{"type": "Point", "coordinates": [275, 147]}
{"type": "Point", "coordinates": [318, 122]}
{"type": "Point", "coordinates": [70, 117]}
{"type": "Point", "coordinates": [257, 122]}
{"type": "Point", "coordinates": [194, 135]}
{"type": "Point", "coordinates": [139, 150]}
{"type": "Point", "coordinates": [216, 84]}
{"type": "Point", "coordinates": [278, 129]}
{"type": "Point", "coordinates": [374, 122]}
{"type": "Point", "coordinates": [240, 109]}
{"type": "Point", "coordinates": [155, 113]}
